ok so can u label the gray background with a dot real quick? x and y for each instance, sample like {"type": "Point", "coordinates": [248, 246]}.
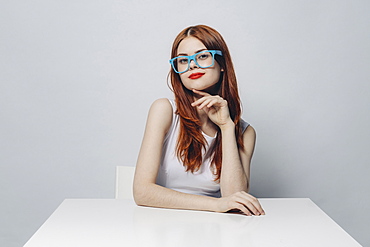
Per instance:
{"type": "Point", "coordinates": [77, 79]}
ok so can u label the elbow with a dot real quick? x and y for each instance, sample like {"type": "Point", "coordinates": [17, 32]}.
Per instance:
{"type": "Point", "coordinates": [138, 198]}
{"type": "Point", "coordinates": [139, 201]}
{"type": "Point", "coordinates": [140, 193]}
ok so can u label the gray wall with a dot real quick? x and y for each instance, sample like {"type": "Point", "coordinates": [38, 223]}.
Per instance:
{"type": "Point", "coordinates": [77, 79]}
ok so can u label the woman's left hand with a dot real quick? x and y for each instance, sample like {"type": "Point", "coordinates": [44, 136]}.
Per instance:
{"type": "Point", "coordinates": [215, 107]}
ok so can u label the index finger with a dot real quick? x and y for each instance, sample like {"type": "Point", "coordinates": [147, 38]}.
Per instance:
{"type": "Point", "coordinates": [254, 201]}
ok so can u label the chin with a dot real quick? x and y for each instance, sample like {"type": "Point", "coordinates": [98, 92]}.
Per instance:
{"type": "Point", "coordinates": [211, 88]}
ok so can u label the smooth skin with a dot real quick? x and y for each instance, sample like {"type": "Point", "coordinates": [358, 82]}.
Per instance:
{"type": "Point", "coordinates": [213, 112]}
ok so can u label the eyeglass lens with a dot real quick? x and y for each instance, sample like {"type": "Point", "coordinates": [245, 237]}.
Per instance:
{"type": "Point", "coordinates": [203, 59]}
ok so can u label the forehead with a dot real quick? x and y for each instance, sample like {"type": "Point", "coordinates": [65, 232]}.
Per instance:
{"type": "Point", "coordinates": [190, 45]}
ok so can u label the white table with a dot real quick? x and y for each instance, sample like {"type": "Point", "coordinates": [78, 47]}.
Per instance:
{"type": "Point", "coordinates": [110, 222]}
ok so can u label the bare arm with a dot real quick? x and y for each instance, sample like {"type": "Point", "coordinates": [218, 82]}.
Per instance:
{"type": "Point", "coordinates": [235, 171]}
{"type": "Point", "coordinates": [146, 192]}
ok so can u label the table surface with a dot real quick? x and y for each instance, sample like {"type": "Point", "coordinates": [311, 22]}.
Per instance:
{"type": "Point", "coordinates": [111, 222]}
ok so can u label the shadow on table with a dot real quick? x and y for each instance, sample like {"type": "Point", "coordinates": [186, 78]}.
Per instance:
{"type": "Point", "coordinates": [166, 227]}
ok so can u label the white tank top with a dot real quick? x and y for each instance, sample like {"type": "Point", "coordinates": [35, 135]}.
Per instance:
{"type": "Point", "coordinates": [172, 173]}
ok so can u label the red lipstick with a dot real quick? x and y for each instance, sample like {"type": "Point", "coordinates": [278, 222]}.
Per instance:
{"type": "Point", "coordinates": [196, 75]}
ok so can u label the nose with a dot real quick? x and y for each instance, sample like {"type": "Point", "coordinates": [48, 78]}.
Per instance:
{"type": "Point", "coordinates": [193, 64]}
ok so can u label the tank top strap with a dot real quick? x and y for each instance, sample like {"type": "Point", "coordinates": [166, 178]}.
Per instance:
{"type": "Point", "coordinates": [173, 103]}
{"type": "Point", "coordinates": [244, 125]}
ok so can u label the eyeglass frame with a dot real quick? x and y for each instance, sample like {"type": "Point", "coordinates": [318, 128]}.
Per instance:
{"type": "Point", "coordinates": [193, 57]}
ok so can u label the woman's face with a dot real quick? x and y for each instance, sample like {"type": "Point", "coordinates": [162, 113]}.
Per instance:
{"type": "Point", "coordinates": [196, 77]}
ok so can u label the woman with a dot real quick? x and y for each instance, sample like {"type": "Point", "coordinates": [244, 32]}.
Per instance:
{"type": "Point", "coordinates": [196, 150]}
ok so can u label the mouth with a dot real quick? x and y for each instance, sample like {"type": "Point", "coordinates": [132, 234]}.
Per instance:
{"type": "Point", "coordinates": [196, 75]}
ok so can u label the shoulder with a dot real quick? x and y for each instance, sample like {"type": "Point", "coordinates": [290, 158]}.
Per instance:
{"type": "Point", "coordinates": [249, 133]}
{"type": "Point", "coordinates": [247, 128]}
{"type": "Point", "coordinates": [160, 114]}
{"type": "Point", "coordinates": [162, 105]}
{"type": "Point", "coordinates": [249, 137]}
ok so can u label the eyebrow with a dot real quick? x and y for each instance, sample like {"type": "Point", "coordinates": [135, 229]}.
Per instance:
{"type": "Point", "coordinates": [185, 54]}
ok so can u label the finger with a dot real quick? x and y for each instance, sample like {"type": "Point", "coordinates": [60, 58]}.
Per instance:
{"type": "Point", "coordinates": [205, 103]}
{"type": "Point", "coordinates": [254, 201]}
{"type": "Point", "coordinates": [257, 205]}
{"type": "Point", "coordinates": [242, 209]}
{"type": "Point", "coordinates": [199, 101]}
{"type": "Point", "coordinates": [217, 101]}
{"type": "Point", "coordinates": [245, 210]}
{"type": "Point", "coordinates": [248, 201]}
{"type": "Point", "coordinates": [212, 103]}
{"type": "Point", "coordinates": [249, 205]}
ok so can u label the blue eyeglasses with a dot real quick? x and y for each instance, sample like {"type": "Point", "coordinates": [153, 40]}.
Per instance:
{"type": "Point", "coordinates": [203, 59]}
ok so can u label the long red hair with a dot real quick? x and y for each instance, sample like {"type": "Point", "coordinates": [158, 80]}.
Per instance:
{"type": "Point", "coordinates": [191, 142]}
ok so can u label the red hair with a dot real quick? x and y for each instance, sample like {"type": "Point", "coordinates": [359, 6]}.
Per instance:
{"type": "Point", "coordinates": [191, 142]}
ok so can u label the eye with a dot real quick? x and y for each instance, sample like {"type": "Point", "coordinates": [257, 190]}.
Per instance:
{"type": "Point", "coordinates": [182, 60]}
{"type": "Point", "coordinates": [204, 56]}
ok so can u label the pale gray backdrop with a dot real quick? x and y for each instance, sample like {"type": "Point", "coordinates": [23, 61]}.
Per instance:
{"type": "Point", "coordinates": [77, 79]}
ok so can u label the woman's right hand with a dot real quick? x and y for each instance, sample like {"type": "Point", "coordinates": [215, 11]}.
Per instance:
{"type": "Point", "coordinates": [242, 201]}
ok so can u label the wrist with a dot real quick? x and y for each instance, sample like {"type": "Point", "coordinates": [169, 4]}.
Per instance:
{"type": "Point", "coordinates": [216, 205]}
{"type": "Point", "coordinates": [227, 126]}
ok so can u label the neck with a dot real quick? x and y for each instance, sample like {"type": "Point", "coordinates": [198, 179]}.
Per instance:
{"type": "Point", "coordinates": [213, 90]}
